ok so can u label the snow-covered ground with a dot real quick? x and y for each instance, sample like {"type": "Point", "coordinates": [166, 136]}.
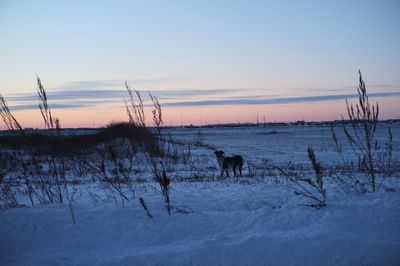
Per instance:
{"type": "Point", "coordinates": [254, 220]}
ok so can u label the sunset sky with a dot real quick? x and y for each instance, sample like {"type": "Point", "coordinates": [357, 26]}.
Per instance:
{"type": "Point", "coordinates": [206, 61]}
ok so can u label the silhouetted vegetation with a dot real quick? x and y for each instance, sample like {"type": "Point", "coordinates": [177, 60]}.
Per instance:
{"type": "Point", "coordinates": [47, 164]}
{"type": "Point", "coordinates": [371, 155]}
{"type": "Point", "coordinates": [43, 143]}
{"type": "Point", "coordinates": [39, 163]}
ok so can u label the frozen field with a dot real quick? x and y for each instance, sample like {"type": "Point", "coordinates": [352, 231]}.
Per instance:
{"type": "Point", "coordinates": [251, 220]}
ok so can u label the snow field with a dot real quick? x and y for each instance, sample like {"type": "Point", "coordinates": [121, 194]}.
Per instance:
{"type": "Point", "coordinates": [230, 224]}
{"type": "Point", "coordinates": [235, 221]}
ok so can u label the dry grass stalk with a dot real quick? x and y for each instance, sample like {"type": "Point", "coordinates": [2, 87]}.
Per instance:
{"type": "Point", "coordinates": [43, 106]}
{"type": "Point", "coordinates": [157, 113]}
{"type": "Point", "coordinates": [305, 186]}
{"type": "Point", "coordinates": [363, 118]}
{"type": "Point", "coordinates": [135, 110]}
{"type": "Point", "coordinates": [164, 183]}
{"type": "Point", "coordinates": [143, 203]}
{"type": "Point", "coordinates": [8, 118]}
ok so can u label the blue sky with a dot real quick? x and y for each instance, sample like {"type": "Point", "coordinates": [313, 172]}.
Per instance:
{"type": "Point", "coordinates": [233, 50]}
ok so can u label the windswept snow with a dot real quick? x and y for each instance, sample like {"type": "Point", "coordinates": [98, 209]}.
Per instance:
{"type": "Point", "coordinates": [231, 224]}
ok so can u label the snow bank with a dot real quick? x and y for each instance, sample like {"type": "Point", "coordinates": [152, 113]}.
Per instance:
{"type": "Point", "coordinates": [230, 224]}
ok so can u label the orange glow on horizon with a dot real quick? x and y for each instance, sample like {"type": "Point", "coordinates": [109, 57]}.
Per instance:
{"type": "Point", "coordinates": [202, 115]}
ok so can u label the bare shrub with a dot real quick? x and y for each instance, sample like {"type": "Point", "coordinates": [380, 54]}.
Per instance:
{"type": "Point", "coordinates": [160, 160]}
{"type": "Point", "coordinates": [157, 114]}
{"type": "Point", "coordinates": [118, 157]}
{"type": "Point", "coordinates": [164, 182]}
{"type": "Point", "coordinates": [161, 178]}
{"type": "Point", "coordinates": [8, 182]}
{"type": "Point", "coordinates": [372, 156]}
{"type": "Point", "coordinates": [57, 184]}
{"type": "Point", "coordinates": [140, 138]}
{"type": "Point", "coordinates": [112, 169]}
{"type": "Point", "coordinates": [8, 194]}
{"type": "Point", "coordinates": [8, 197]}
{"type": "Point", "coordinates": [306, 186]}
{"type": "Point", "coordinates": [43, 176]}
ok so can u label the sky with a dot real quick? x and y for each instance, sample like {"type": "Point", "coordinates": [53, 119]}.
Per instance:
{"type": "Point", "coordinates": [206, 61]}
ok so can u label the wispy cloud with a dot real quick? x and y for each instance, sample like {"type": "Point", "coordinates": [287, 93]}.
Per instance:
{"type": "Point", "coordinates": [116, 83]}
{"type": "Point", "coordinates": [53, 106]}
{"type": "Point", "coordinates": [119, 94]}
{"type": "Point", "coordinates": [70, 94]}
{"type": "Point", "coordinates": [352, 88]}
{"type": "Point", "coordinates": [97, 97]}
{"type": "Point", "coordinates": [288, 100]}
